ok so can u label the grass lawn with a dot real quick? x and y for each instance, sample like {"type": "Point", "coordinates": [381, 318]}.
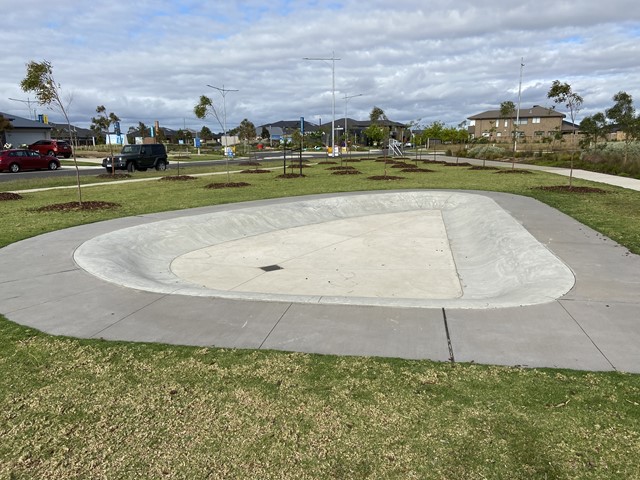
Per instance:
{"type": "Point", "coordinates": [93, 409]}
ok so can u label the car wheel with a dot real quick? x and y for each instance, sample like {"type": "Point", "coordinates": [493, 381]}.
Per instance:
{"type": "Point", "coordinates": [53, 165]}
{"type": "Point", "coordinates": [14, 168]}
{"type": "Point", "coordinates": [161, 166]}
{"type": "Point", "coordinates": [51, 153]}
{"type": "Point", "coordinates": [108, 169]}
{"type": "Point", "coordinates": [68, 155]}
{"type": "Point", "coordinates": [131, 167]}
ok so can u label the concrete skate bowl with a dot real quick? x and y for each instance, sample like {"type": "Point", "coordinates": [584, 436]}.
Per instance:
{"type": "Point", "coordinates": [421, 249]}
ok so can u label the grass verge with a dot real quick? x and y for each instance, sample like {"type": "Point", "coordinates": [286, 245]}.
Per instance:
{"type": "Point", "coordinates": [92, 409]}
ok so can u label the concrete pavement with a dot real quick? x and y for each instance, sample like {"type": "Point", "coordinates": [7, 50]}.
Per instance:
{"type": "Point", "coordinates": [587, 318]}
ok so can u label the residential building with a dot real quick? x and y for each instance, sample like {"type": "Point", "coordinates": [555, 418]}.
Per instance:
{"type": "Point", "coordinates": [24, 131]}
{"type": "Point", "coordinates": [534, 124]}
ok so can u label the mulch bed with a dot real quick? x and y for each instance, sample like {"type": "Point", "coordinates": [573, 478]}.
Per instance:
{"type": "Point", "coordinates": [9, 196]}
{"type": "Point", "coordinates": [290, 175]}
{"type": "Point", "coordinates": [344, 167]}
{"type": "Point", "coordinates": [227, 185]}
{"type": "Point", "coordinates": [401, 165]}
{"type": "Point", "coordinates": [250, 164]}
{"type": "Point", "coordinates": [385, 177]}
{"type": "Point", "coordinates": [177, 178]}
{"type": "Point", "coordinates": [256, 170]}
{"type": "Point", "coordinates": [480, 167]}
{"type": "Point", "coordinates": [416, 170]}
{"type": "Point", "coordinates": [459, 164]}
{"type": "Point", "coordinates": [115, 176]}
{"type": "Point", "coordinates": [386, 160]}
{"type": "Point", "coordinates": [346, 172]}
{"type": "Point", "coordinates": [568, 189]}
{"type": "Point", "coordinates": [435, 162]}
{"type": "Point", "coordinates": [352, 160]}
{"type": "Point", "coordinates": [516, 171]}
{"type": "Point", "coordinates": [327, 163]}
{"type": "Point", "coordinates": [76, 207]}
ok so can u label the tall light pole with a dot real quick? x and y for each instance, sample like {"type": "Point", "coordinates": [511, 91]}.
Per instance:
{"type": "Point", "coordinates": [346, 107]}
{"type": "Point", "coordinates": [333, 94]}
{"type": "Point", "coordinates": [223, 91]}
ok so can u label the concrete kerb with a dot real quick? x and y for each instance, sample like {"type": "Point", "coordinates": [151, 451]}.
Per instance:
{"type": "Point", "coordinates": [594, 326]}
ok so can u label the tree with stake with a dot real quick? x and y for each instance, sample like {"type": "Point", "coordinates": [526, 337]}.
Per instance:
{"type": "Point", "coordinates": [40, 80]}
{"type": "Point", "coordinates": [103, 123]}
{"type": "Point", "coordinates": [507, 111]}
{"type": "Point", "coordinates": [563, 93]}
{"type": "Point", "coordinates": [204, 108]}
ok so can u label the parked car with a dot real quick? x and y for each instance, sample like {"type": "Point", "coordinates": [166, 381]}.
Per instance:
{"type": "Point", "coordinates": [55, 148]}
{"type": "Point", "coordinates": [17, 159]}
{"type": "Point", "coordinates": [138, 157]}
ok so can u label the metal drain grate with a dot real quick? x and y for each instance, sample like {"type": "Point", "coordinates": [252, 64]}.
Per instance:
{"type": "Point", "coordinates": [271, 268]}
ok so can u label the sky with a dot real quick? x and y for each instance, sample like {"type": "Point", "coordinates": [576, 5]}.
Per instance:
{"type": "Point", "coordinates": [419, 60]}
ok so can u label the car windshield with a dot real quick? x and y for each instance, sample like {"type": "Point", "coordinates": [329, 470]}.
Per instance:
{"type": "Point", "coordinates": [130, 149]}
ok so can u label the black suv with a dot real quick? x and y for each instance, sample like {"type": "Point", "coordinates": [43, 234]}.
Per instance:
{"type": "Point", "coordinates": [139, 157]}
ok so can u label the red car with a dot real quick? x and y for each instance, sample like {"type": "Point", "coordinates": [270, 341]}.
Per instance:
{"type": "Point", "coordinates": [55, 148]}
{"type": "Point", "coordinates": [17, 159]}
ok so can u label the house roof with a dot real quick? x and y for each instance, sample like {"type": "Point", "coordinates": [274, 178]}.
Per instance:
{"type": "Point", "coordinates": [535, 111]}
{"type": "Point", "coordinates": [78, 131]}
{"type": "Point", "coordinates": [19, 122]}
{"type": "Point", "coordinates": [289, 125]}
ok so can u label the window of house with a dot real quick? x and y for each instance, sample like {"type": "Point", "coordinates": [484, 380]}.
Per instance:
{"type": "Point", "coordinates": [472, 123]}
{"type": "Point", "coordinates": [498, 134]}
{"type": "Point", "coordinates": [523, 121]}
{"type": "Point", "coordinates": [539, 133]}
{"type": "Point", "coordinates": [506, 123]}
{"type": "Point", "coordinates": [535, 120]}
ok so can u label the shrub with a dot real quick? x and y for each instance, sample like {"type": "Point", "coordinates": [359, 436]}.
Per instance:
{"type": "Point", "coordinates": [610, 158]}
{"type": "Point", "coordinates": [487, 152]}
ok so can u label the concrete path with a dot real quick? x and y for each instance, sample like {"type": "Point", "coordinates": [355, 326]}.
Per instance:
{"type": "Point", "coordinates": [595, 325]}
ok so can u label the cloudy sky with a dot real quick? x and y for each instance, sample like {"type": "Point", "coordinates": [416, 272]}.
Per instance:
{"type": "Point", "coordinates": [415, 59]}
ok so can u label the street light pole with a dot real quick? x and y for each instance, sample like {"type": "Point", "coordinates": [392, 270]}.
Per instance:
{"type": "Point", "coordinates": [223, 91]}
{"type": "Point", "coordinates": [346, 106]}
{"type": "Point", "coordinates": [333, 94]}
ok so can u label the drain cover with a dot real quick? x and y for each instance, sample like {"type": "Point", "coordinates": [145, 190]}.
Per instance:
{"type": "Point", "coordinates": [271, 268]}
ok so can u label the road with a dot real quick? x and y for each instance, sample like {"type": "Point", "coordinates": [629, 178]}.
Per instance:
{"type": "Point", "coordinates": [67, 171]}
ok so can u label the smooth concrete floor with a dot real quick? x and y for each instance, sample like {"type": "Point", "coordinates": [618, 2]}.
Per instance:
{"type": "Point", "coordinates": [595, 325]}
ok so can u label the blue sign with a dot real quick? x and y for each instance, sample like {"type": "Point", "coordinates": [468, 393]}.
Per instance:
{"type": "Point", "coordinates": [302, 125]}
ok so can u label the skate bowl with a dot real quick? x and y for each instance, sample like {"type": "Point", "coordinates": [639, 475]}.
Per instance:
{"type": "Point", "coordinates": [416, 249]}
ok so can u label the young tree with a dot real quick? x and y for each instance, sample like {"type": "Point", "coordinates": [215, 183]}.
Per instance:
{"type": "Point", "coordinates": [103, 123]}
{"type": "Point", "coordinates": [39, 80]}
{"type": "Point", "coordinates": [206, 133]}
{"type": "Point", "coordinates": [563, 93]}
{"type": "Point", "coordinates": [204, 108]}
{"type": "Point", "coordinates": [246, 132]}
{"type": "Point", "coordinates": [507, 112]}
{"type": "Point", "coordinates": [593, 128]}
{"type": "Point", "coordinates": [623, 113]}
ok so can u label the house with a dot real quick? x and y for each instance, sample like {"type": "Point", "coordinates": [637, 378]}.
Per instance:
{"type": "Point", "coordinates": [24, 131]}
{"type": "Point", "coordinates": [534, 124]}
{"type": "Point", "coordinates": [355, 128]}
{"type": "Point", "coordinates": [80, 136]}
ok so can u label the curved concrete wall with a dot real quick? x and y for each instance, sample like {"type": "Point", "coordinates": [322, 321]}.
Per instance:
{"type": "Point", "coordinates": [499, 263]}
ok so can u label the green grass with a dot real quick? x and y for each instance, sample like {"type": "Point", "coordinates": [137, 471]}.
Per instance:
{"type": "Point", "coordinates": [92, 409]}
